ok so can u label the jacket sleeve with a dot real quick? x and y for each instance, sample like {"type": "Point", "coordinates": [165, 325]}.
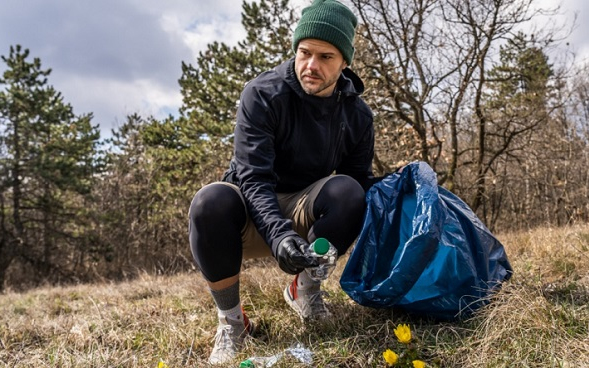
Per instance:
{"type": "Point", "coordinates": [254, 156]}
{"type": "Point", "coordinates": [358, 162]}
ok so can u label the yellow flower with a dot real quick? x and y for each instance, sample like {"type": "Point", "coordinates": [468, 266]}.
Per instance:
{"type": "Point", "coordinates": [403, 333]}
{"type": "Point", "coordinates": [162, 365]}
{"type": "Point", "coordinates": [390, 357]}
{"type": "Point", "coordinates": [418, 364]}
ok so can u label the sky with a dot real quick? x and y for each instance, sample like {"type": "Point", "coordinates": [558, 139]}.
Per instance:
{"type": "Point", "coordinates": [114, 58]}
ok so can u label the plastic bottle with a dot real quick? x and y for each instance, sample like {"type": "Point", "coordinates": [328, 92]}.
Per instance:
{"type": "Point", "coordinates": [326, 253]}
{"type": "Point", "coordinates": [258, 362]}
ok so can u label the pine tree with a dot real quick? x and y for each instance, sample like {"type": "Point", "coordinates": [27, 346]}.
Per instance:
{"type": "Point", "coordinates": [211, 88]}
{"type": "Point", "coordinates": [517, 112]}
{"type": "Point", "coordinates": [48, 158]}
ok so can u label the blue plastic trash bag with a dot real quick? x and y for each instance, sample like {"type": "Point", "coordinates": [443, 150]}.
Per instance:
{"type": "Point", "coordinates": [422, 249]}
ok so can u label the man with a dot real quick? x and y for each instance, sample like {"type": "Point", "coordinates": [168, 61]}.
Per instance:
{"type": "Point", "coordinates": [297, 126]}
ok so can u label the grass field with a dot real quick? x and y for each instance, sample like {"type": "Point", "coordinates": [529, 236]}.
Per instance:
{"type": "Point", "coordinates": [540, 318]}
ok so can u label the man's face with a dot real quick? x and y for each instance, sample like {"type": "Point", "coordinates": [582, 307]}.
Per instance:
{"type": "Point", "coordinates": [318, 65]}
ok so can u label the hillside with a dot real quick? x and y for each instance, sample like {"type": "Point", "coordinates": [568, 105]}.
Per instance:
{"type": "Point", "coordinates": [540, 318]}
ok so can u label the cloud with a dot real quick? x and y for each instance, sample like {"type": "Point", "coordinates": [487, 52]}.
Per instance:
{"type": "Point", "coordinates": [117, 57]}
{"type": "Point", "coordinates": [578, 38]}
{"type": "Point", "coordinates": [119, 98]}
{"type": "Point", "coordinates": [569, 25]}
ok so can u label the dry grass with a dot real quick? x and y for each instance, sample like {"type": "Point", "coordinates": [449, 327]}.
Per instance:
{"type": "Point", "coordinates": [539, 319]}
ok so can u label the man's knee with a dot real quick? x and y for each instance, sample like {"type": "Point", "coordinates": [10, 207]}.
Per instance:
{"type": "Point", "coordinates": [217, 201]}
{"type": "Point", "coordinates": [217, 217]}
{"type": "Point", "coordinates": [346, 189]}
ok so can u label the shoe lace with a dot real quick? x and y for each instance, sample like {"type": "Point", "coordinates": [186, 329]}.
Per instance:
{"type": "Point", "coordinates": [315, 303]}
{"type": "Point", "coordinates": [228, 337]}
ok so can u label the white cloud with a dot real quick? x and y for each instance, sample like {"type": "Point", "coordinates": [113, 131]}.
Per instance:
{"type": "Point", "coordinates": [118, 99]}
{"type": "Point", "coordinates": [570, 22]}
{"type": "Point", "coordinates": [203, 34]}
{"type": "Point", "coordinates": [118, 57]}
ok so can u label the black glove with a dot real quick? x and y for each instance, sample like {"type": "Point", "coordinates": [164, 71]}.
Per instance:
{"type": "Point", "coordinates": [291, 257]}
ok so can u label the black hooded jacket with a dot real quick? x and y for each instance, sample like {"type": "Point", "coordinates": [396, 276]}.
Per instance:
{"type": "Point", "coordinates": [285, 140]}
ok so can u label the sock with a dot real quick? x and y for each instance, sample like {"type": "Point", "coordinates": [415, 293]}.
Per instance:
{"type": "Point", "coordinates": [234, 314]}
{"type": "Point", "coordinates": [304, 282]}
{"type": "Point", "coordinates": [228, 302]}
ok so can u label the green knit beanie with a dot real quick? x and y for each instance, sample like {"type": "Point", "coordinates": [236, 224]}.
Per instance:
{"type": "Point", "coordinates": [329, 21]}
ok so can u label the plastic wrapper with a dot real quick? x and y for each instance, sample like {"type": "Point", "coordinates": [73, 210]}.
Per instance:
{"type": "Point", "coordinates": [298, 351]}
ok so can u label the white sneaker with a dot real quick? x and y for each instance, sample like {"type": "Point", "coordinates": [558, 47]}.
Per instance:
{"type": "Point", "coordinates": [229, 339]}
{"type": "Point", "coordinates": [308, 303]}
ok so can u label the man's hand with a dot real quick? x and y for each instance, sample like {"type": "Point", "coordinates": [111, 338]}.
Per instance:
{"type": "Point", "coordinates": [291, 257]}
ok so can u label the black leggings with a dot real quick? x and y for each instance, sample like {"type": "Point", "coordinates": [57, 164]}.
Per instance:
{"type": "Point", "coordinates": [217, 216]}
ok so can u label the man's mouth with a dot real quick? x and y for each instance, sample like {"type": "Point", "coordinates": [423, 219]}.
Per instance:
{"type": "Point", "coordinates": [311, 76]}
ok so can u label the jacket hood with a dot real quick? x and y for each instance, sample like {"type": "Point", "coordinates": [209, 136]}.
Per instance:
{"type": "Point", "coordinates": [348, 83]}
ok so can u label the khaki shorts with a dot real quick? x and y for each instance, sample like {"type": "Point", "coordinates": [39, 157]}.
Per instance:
{"type": "Point", "coordinates": [297, 206]}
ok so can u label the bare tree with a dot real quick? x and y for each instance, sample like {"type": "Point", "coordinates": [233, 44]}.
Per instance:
{"type": "Point", "coordinates": [427, 64]}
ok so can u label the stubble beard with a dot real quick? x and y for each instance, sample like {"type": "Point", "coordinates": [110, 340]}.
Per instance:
{"type": "Point", "coordinates": [314, 89]}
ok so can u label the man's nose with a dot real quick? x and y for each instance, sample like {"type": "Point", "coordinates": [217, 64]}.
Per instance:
{"type": "Point", "coordinates": [313, 63]}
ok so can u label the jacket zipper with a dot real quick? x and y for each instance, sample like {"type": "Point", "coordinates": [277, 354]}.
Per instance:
{"type": "Point", "coordinates": [340, 133]}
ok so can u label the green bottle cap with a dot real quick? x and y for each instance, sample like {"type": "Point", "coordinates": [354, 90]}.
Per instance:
{"type": "Point", "coordinates": [247, 364]}
{"type": "Point", "coordinates": [320, 246]}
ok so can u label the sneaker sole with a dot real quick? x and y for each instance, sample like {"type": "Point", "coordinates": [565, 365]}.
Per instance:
{"type": "Point", "coordinates": [290, 301]}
